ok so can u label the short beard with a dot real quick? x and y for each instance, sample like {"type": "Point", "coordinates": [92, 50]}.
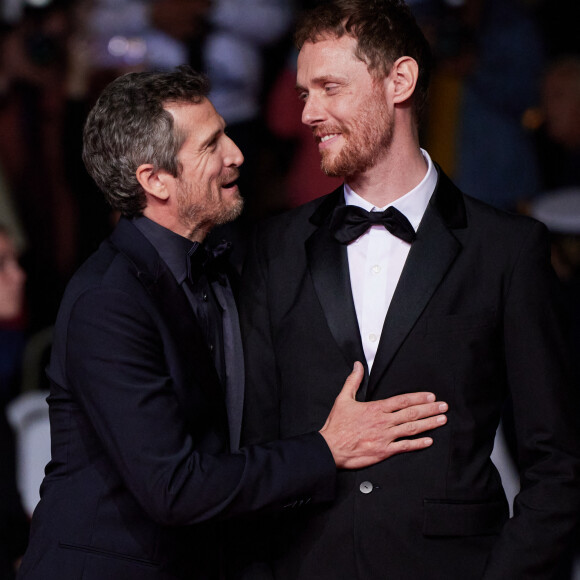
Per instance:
{"type": "Point", "coordinates": [229, 214]}
{"type": "Point", "coordinates": [370, 137]}
{"type": "Point", "coordinates": [206, 213]}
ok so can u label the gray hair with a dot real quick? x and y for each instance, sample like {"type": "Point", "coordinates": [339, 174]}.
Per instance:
{"type": "Point", "coordinates": [129, 126]}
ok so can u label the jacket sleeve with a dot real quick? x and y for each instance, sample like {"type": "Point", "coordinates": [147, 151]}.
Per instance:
{"type": "Point", "coordinates": [119, 371]}
{"type": "Point", "coordinates": [545, 405]}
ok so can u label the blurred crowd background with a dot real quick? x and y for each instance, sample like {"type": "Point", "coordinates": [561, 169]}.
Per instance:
{"type": "Point", "coordinates": [504, 123]}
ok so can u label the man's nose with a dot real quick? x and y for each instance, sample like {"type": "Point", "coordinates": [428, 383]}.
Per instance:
{"type": "Point", "coordinates": [313, 113]}
{"type": "Point", "coordinates": [234, 156]}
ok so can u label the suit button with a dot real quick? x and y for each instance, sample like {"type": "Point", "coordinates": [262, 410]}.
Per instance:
{"type": "Point", "coordinates": [366, 487]}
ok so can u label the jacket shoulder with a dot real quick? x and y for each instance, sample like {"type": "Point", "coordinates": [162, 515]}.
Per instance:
{"type": "Point", "coordinates": [298, 223]}
{"type": "Point", "coordinates": [500, 221]}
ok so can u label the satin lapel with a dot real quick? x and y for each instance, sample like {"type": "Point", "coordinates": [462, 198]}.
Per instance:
{"type": "Point", "coordinates": [234, 362]}
{"type": "Point", "coordinates": [328, 265]}
{"type": "Point", "coordinates": [431, 256]}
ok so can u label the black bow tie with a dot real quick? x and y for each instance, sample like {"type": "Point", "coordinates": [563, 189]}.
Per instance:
{"type": "Point", "coordinates": [349, 222]}
{"type": "Point", "coordinates": [212, 261]}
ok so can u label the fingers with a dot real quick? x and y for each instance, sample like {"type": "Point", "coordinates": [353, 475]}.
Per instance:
{"type": "Point", "coordinates": [419, 412]}
{"type": "Point", "coordinates": [397, 435]}
{"type": "Point", "coordinates": [361, 434]}
{"type": "Point", "coordinates": [406, 400]}
{"type": "Point", "coordinates": [397, 447]}
{"type": "Point", "coordinates": [413, 428]}
{"type": "Point", "coordinates": [353, 381]}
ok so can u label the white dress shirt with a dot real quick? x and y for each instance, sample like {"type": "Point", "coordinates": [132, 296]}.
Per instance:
{"type": "Point", "coordinates": [376, 259]}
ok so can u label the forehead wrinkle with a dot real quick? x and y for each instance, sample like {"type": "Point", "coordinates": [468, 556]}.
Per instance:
{"type": "Point", "coordinates": [324, 59]}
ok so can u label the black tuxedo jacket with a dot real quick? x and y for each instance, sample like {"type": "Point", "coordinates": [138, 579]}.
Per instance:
{"type": "Point", "coordinates": [473, 319]}
{"type": "Point", "coordinates": [140, 469]}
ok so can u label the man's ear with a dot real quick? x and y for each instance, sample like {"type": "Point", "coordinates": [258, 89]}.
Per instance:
{"type": "Point", "coordinates": [153, 182]}
{"type": "Point", "coordinates": [403, 75]}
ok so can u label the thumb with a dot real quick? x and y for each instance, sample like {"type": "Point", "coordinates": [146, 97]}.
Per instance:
{"type": "Point", "coordinates": [353, 381]}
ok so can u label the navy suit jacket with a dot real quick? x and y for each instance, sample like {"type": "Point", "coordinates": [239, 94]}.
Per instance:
{"type": "Point", "coordinates": [140, 469]}
{"type": "Point", "coordinates": [474, 319]}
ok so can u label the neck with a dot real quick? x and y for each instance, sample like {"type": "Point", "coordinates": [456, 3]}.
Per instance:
{"type": "Point", "coordinates": [399, 171]}
{"type": "Point", "coordinates": [196, 233]}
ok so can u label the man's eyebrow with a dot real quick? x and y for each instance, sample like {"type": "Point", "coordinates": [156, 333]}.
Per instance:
{"type": "Point", "coordinates": [320, 81]}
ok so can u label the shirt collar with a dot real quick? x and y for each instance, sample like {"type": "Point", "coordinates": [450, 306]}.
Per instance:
{"type": "Point", "coordinates": [172, 247]}
{"type": "Point", "coordinates": [413, 204]}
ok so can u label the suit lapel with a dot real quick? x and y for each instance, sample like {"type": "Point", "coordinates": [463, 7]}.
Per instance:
{"type": "Point", "coordinates": [170, 301]}
{"type": "Point", "coordinates": [431, 256]}
{"type": "Point", "coordinates": [234, 362]}
{"type": "Point", "coordinates": [328, 265]}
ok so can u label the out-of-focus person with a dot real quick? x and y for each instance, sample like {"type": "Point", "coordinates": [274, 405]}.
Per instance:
{"type": "Point", "coordinates": [33, 64]}
{"type": "Point", "coordinates": [559, 132]}
{"type": "Point", "coordinates": [13, 519]}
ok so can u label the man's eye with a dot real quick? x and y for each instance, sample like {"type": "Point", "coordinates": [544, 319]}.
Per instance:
{"type": "Point", "coordinates": [330, 88]}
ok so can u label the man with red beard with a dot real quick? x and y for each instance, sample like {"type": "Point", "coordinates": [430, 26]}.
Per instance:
{"type": "Point", "coordinates": [429, 288]}
{"type": "Point", "coordinates": [146, 372]}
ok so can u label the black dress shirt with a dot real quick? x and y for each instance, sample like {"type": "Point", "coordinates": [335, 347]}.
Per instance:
{"type": "Point", "coordinates": [175, 251]}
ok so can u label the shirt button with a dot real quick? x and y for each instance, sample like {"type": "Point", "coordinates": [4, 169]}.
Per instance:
{"type": "Point", "coordinates": [211, 347]}
{"type": "Point", "coordinates": [366, 487]}
{"type": "Point", "coordinates": [373, 337]}
{"type": "Point", "coordinates": [376, 269]}
{"type": "Point", "coordinates": [204, 297]}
